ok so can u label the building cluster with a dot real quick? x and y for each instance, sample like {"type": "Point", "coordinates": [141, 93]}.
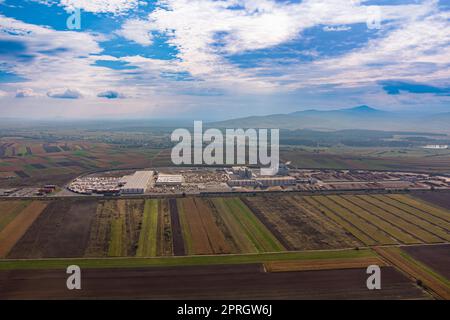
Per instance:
{"type": "Point", "coordinates": [139, 182]}
{"type": "Point", "coordinates": [245, 177]}
{"type": "Point", "coordinates": [436, 146]}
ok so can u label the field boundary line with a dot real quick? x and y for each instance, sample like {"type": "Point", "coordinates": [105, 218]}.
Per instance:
{"type": "Point", "coordinates": [380, 218]}
{"type": "Point", "coordinates": [321, 204]}
{"type": "Point", "coordinates": [385, 219]}
{"type": "Point", "coordinates": [389, 207]}
{"type": "Point", "coordinates": [421, 210]}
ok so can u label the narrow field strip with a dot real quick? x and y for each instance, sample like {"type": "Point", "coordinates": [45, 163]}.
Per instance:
{"type": "Point", "coordinates": [17, 228]}
{"type": "Point", "coordinates": [376, 221]}
{"type": "Point", "coordinates": [177, 233]}
{"type": "Point", "coordinates": [243, 242]}
{"type": "Point", "coordinates": [272, 220]}
{"type": "Point", "coordinates": [361, 224]}
{"type": "Point", "coordinates": [325, 264]}
{"type": "Point", "coordinates": [184, 260]}
{"type": "Point", "coordinates": [423, 206]}
{"type": "Point", "coordinates": [200, 243]}
{"type": "Point", "coordinates": [117, 232]}
{"type": "Point", "coordinates": [261, 237]}
{"type": "Point", "coordinates": [187, 238]}
{"type": "Point", "coordinates": [222, 226]}
{"type": "Point", "coordinates": [362, 236]}
{"type": "Point", "coordinates": [215, 236]}
{"type": "Point", "coordinates": [165, 240]}
{"type": "Point", "coordinates": [147, 246]}
{"type": "Point", "coordinates": [433, 232]}
{"type": "Point", "coordinates": [414, 269]}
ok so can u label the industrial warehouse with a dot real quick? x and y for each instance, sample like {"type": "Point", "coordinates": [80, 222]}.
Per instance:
{"type": "Point", "coordinates": [138, 183]}
{"type": "Point", "coordinates": [198, 180]}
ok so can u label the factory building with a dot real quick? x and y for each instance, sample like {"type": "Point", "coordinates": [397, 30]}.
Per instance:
{"type": "Point", "coordinates": [169, 180]}
{"type": "Point", "coordinates": [242, 183]}
{"type": "Point", "coordinates": [276, 181]}
{"type": "Point", "coordinates": [137, 183]}
{"type": "Point", "coordinates": [243, 172]}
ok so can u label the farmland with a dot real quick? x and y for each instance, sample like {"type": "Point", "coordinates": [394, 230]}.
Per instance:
{"type": "Point", "coordinates": [35, 162]}
{"type": "Point", "coordinates": [439, 285]}
{"type": "Point", "coordinates": [216, 226]}
{"type": "Point", "coordinates": [281, 239]}
{"type": "Point", "coordinates": [207, 282]}
{"type": "Point", "coordinates": [385, 219]}
{"type": "Point", "coordinates": [435, 257]}
{"type": "Point", "coordinates": [373, 158]}
{"type": "Point", "coordinates": [301, 225]}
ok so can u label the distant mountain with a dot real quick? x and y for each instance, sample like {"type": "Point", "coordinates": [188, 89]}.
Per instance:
{"type": "Point", "coordinates": [361, 117]}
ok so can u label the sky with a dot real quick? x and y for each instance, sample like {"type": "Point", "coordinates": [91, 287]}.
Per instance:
{"type": "Point", "coordinates": [219, 59]}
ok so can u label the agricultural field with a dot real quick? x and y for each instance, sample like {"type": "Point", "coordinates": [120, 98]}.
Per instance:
{"type": "Point", "coordinates": [438, 285]}
{"type": "Point", "coordinates": [25, 162]}
{"type": "Point", "coordinates": [436, 257]}
{"type": "Point", "coordinates": [337, 274]}
{"type": "Point", "coordinates": [215, 226]}
{"type": "Point", "coordinates": [299, 225]}
{"type": "Point", "coordinates": [441, 199]}
{"type": "Point", "coordinates": [16, 217]}
{"type": "Point", "coordinates": [141, 228]}
{"type": "Point", "coordinates": [292, 243]}
{"type": "Point", "coordinates": [398, 159]}
{"type": "Point", "coordinates": [385, 219]}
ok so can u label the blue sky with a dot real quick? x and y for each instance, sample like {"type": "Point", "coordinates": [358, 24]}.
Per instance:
{"type": "Point", "coordinates": [210, 59]}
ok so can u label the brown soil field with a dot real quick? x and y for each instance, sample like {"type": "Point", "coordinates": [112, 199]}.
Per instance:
{"type": "Point", "coordinates": [62, 230]}
{"type": "Point", "coordinates": [206, 282]}
{"type": "Point", "coordinates": [178, 243]}
{"type": "Point", "coordinates": [300, 225]}
{"type": "Point", "coordinates": [437, 257]}
{"type": "Point", "coordinates": [441, 199]}
{"type": "Point", "coordinates": [222, 225]}
{"type": "Point", "coordinates": [204, 234]}
{"type": "Point", "coordinates": [9, 211]}
{"type": "Point", "coordinates": [395, 257]}
{"type": "Point", "coordinates": [18, 227]}
{"type": "Point", "coordinates": [332, 264]}
{"type": "Point", "coordinates": [216, 239]}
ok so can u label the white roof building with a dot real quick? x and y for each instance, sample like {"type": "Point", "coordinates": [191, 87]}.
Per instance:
{"type": "Point", "coordinates": [169, 179]}
{"type": "Point", "coordinates": [137, 183]}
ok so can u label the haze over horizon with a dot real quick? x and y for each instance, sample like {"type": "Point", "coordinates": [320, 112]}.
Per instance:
{"type": "Point", "coordinates": [221, 59]}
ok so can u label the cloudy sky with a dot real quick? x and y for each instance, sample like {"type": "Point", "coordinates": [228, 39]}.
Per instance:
{"type": "Point", "coordinates": [221, 58]}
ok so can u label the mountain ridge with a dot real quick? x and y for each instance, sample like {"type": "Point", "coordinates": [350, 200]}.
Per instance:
{"type": "Point", "coordinates": [359, 117]}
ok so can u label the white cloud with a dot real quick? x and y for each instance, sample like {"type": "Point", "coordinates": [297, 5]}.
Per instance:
{"type": "Point", "coordinates": [101, 6]}
{"type": "Point", "coordinates": [65, 94]}
{"type": "Point", "coordinates": [137, 31]}
{"type": "Point", "coordinates": [195, 27]}
{"type": "Point", "coordinates": [25, 93]}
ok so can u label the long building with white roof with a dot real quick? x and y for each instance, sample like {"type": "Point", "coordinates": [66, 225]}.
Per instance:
{"type": "Point", "coordinates": [137, 183]}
